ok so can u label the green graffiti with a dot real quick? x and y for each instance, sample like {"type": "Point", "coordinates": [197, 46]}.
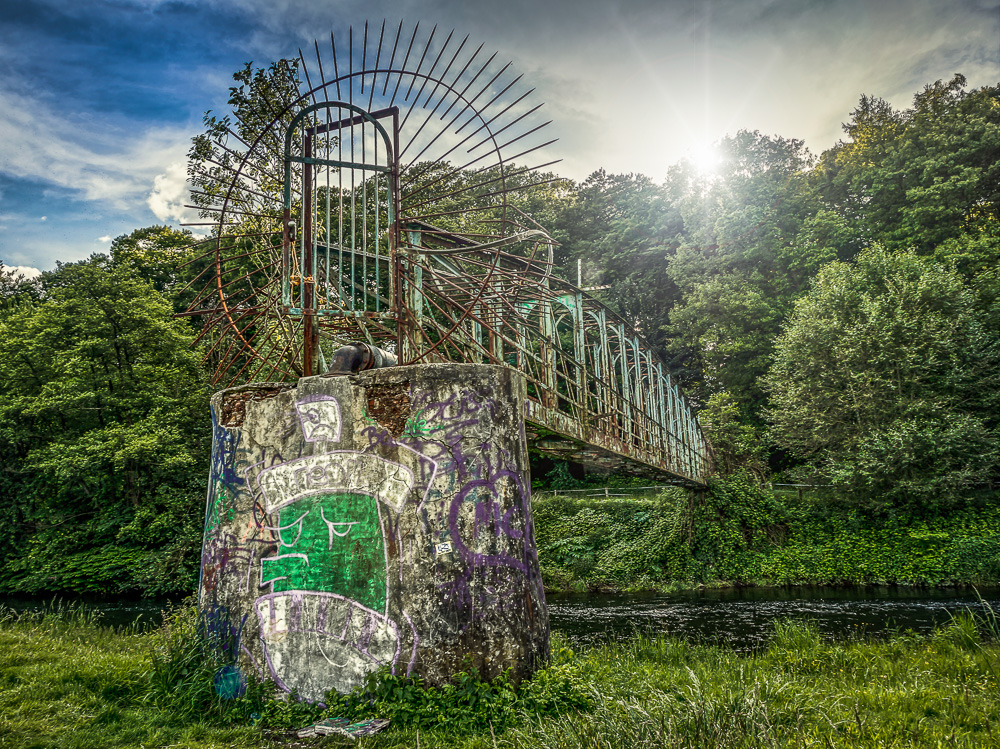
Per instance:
{"type": "Point", "coordinates": [223, 508]}
{"type": "Point", "coordinates": [330, 543]}
{"type": "Point", "coordinates": [416, 426]}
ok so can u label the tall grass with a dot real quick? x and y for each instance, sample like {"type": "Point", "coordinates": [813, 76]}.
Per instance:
{"type": "Point", "coordinates": [65, 681]}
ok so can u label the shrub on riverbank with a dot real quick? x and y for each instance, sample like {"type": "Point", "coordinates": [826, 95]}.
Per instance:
{"type": "Point", "coordinates": [64, 681]}
{"type": "Point", "coordinates": [740, 533]}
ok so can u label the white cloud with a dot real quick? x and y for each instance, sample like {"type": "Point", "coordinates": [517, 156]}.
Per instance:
{"type": "Point", "coordinates": [633, 86]}
{"type": "Point", "coordinates": [630, 86]}
{"type": "Point", "coordinates": [170, 193]}
{"type": "Point", "coordinates": [44, 218]}
{"type": "Point", "coordinates": [105, 239]}
{"type": "Point", "coordinates": [25, 270]}
{"type": "Point", "coordinates": [95, 159]}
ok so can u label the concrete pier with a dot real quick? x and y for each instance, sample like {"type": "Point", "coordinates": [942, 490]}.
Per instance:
{"type": "Point", "coordinates": [379, 519]}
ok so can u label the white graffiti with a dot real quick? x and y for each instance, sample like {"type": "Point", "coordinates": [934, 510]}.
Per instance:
{"type": "Point", "coordinates": [345, 471]}
{"type": "Point", "coordinates": [349, 638]}
{"type": "Point", "coordinates": [319, 416]}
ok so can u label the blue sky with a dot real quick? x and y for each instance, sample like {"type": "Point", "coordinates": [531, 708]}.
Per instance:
{"type": "Point", "coordinates": [99, 98]}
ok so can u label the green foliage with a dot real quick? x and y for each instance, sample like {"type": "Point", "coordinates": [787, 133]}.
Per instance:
{"type": "Point", "coordinates": [16, 291]}
{"type": "Point", "coordinates": [737, 445]}
{"type": "Point", "coordinates": [887, 379]}
{"type": "Point", "coordinates": [710, 269]}
{"type": "Point", "coordinates": [741, 533]}
{"type": "Point", "coordinates": [878, 261]}
{"type": "Point", "coordinates": [559, 477]}
{"type": "Point", "coordinates": [104, 434]}
{"type": "Point", "coordinates": [183, 664]}
{"type": "Point", "coordinates": [800, 691]}
{"type": "Point", "coordinates": [614, 543]}
{"type": "Point", "coordinates": [261, 96]}
{"type": "Point", "coordinates": [466, 704]}
{"type": "Point", "coordinates": [66, 681]}
{"type": "Point", "coordinates": [920, 177]}
{"type": "Point", "coordinates": [186, 654]}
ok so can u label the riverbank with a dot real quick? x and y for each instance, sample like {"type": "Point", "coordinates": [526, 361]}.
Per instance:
{"type": "Point", "coordinates": [739, 534]}
{"type": "Point", "coordinates": [64, 681]}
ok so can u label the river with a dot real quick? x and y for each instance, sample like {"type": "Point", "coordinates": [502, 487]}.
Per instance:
{"type": "Point", "coordinates": [744, 618]}
{"type": "Point", "coordinates": [741, 618]}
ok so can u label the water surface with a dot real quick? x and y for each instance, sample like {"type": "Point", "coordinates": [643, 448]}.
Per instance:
{"type": "Point", "coordinates": [143, 613]}
{"type": "Point", "coordinates": [741, 618]}
{"type": "Point", "coordinates": [745, 618]}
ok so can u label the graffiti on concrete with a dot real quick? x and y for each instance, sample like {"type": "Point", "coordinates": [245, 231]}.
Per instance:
{"type": "Point", "coordinates": [319, 641]}
{"type": "Point", "coordinates": [330, 543]}
{"type": "Point", "coordinates": [347, 560]}
{"type": "Point", "coordinates": [327, 574]}
{"type": "Point", "coordinates": [224, 481]}
{"type": "Point", "coordinates": [342, 470]}
{"type": "Point", "coordinates": [478, 509]}
{"type": "Point", "coordinates": [319, 416]}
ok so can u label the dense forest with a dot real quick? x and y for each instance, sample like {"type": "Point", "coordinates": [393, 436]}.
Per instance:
{"type": "Point", "coordinates": [836, 319]}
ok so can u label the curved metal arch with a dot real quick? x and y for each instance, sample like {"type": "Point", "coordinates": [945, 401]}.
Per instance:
{"type": "Point", "coordinates": [303, 113]}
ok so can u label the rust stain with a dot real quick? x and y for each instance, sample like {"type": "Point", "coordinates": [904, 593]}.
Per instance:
{"type": "Point", "coordinates": [389, 405]}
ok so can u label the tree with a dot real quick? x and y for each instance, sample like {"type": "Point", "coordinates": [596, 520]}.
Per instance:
{"type": "Point", "coordinates": [16, 290]}
{"type": "Point", "coordinates": [104, 428]}
{"type": "Point", "coordinates": [920, 177]}
{"type": "Point", "coordinates": [156, 254]}
{"type": "Point", "coordinates": [888, 379]}
{"type": "Point", "coordinates": [737, 446]}
{"type": "Point", "coordinates": [748, 248]}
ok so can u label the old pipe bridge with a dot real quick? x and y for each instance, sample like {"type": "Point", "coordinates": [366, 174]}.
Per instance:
{"type": "Point", "coordinates": [378, 193]}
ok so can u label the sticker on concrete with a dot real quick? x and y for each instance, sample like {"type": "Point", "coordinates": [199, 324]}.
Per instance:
{"type": "Point", "coordinates": [443, 548]}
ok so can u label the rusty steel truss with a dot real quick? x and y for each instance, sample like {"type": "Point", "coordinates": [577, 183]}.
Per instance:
{"type": "Point", "coordinates": [384, 199]}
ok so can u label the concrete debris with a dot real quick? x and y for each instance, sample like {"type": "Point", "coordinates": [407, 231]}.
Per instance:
{"type": "Point", "coordinates": [343, 727]}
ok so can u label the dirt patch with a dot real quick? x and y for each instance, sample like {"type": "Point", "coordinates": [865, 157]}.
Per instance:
{"type": "Point", "coordinates": [389, 405]}
{"type": "Point", "coordinates": [234, 405]}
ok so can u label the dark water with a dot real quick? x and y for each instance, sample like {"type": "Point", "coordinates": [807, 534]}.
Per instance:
{"type": "Point", "coordinates": [744, 619]}
{"type": "Point", "coordinates": [144, 614]}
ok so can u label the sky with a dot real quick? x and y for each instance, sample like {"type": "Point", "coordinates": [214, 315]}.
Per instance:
{"type": "Point", "coordinates": [99, 99]}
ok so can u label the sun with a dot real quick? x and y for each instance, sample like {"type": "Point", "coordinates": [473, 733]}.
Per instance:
{"type": "Point", "coordinates": [705, 158]}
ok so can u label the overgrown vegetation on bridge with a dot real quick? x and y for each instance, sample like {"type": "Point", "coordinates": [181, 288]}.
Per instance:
{"type": "Point", "coordinates": [837, 318]}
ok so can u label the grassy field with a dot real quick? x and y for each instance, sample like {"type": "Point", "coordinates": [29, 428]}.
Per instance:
{"type": "Point", "coordinates": [67, 682]}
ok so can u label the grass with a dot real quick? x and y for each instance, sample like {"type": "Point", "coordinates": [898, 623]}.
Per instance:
{"type": "Point", "coordinates": [67, 682]}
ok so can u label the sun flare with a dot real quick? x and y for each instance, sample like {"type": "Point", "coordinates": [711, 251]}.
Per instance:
{"type": "Point", "coordinates": [705, 158]}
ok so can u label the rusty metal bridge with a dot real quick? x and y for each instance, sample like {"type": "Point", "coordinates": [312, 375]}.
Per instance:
{"type": "Point", "coordinates": [383, 204]}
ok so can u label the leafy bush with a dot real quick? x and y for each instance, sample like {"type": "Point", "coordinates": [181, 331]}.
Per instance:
{"type": "Point", "coordinates": [886, 378]}
{"type": "Point", "coordinates": [739, 532]}
{"type": "Point", "coordinates": [466, 704]}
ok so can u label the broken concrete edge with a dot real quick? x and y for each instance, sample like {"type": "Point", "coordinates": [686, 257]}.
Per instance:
{"type": "Point", "coordinates": [229, 405]}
